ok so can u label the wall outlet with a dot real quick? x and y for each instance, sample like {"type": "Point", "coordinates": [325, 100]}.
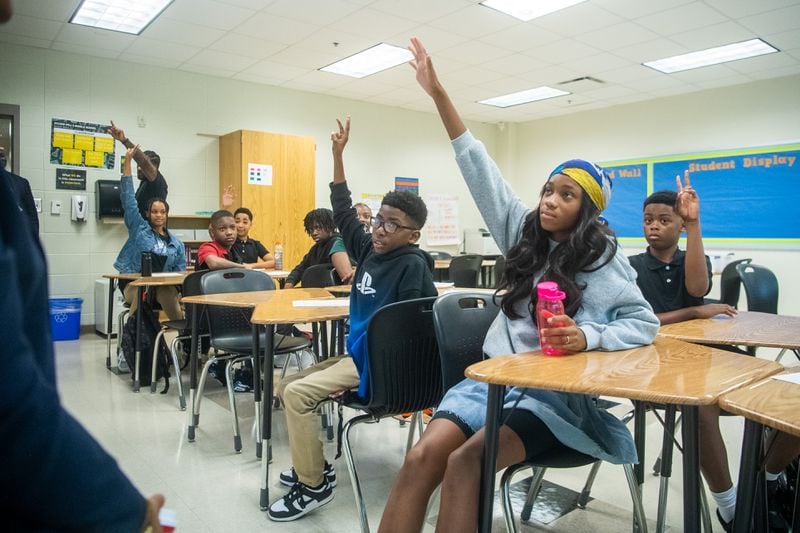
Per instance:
{"type": "Point", "coordinates": [55, 207]}
{"type": "Point", "coordinates": [38, 203]}
{"type": "Point", "coordinates": [141, 122]}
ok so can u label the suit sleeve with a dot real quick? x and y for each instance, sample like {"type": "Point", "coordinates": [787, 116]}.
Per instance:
{"type": "Point", "coordinates": [55, 476]}
{"type": "Point", "coordinates": [28, 204]}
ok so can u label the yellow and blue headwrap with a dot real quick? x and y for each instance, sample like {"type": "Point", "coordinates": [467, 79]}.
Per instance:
{"type": "Point", "coordinates": [592, 179]}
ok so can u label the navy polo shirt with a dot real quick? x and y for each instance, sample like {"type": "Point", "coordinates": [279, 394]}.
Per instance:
{"type": "Point", "coordinates": [664, 284]}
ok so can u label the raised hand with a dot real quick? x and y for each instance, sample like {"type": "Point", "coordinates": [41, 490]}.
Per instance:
{"type": "Point", "coordinates": [709, 310]}
{"type": "Point", "coordinates": [116, 132]}
{"type": "Point", "coordinates": [129, 156]}
{"type": "Point", "coordinates": [339, 139]}
{"type": "Point", "coordinates": [423, 65]}
{"type": "Point", "coordinates": [688, 203]}
{"type": "Point", "coordinates": [228, 196]}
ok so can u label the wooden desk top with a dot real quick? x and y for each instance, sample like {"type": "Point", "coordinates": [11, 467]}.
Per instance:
{"type": "Point", "coordinates": [341, 290]}
{"type": "Point", "coordinates": [253, 298]}
{"type": "Point", "coordinates": [284, 311]}
{"type": "Point", "coordinates": [771, 402]}
{"type": "Point", "coordinates": [120, 275]}
{"type": "Point", "coordinates": [445, 263]}
{"type": "Point", "coordinates": [668, 371]}
{"type": "Point", "coordinates": [745, 329]}
{"type": "Point", "coordinates": [163, 279]}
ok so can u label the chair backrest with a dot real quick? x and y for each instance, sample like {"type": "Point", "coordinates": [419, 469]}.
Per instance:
{"type": "Point", "coordinates": [232, 321]}
{"type": "Point", "coordinates": [499, 269]}
{"type": "Point", "coordinates": [192, 287]}
{"type": "Point", "coordinates": [319, 276]}
{"type": "Point", "coordinates": [730, 283]}
{"type": "Point", "coordinates": [461, 320]}
{"type": "Point", "coordinates": [465, 270]}
{"type": "Point", "coordinates": [403, 358]}
{"type": "Point", "coordinates": [760, 287]}
{"type": "Point", "coordinates": [437, 255]}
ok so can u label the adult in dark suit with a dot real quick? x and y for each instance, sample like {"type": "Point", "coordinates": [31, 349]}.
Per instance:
{"type": "Point", "coordinates": [24, 193]}
{"type": "Point", "coordinates": [55, 476]}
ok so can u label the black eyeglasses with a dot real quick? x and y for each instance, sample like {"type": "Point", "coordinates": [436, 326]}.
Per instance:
{"type": "Point", "coordinates": [388, 225]}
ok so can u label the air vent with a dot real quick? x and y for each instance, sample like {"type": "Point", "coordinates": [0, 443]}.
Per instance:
{"type": "Point", "coordinates": [584, 83]}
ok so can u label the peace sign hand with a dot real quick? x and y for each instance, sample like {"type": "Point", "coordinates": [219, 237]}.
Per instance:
{"type": "Point", "coordinates": [688, 203]}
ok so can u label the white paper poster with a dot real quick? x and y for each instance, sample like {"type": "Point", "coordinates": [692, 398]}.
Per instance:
{"type": "Point", "coordinates": [259, 174]}
{"type": "Point", "coordinates": [442, 225]}
{"type": "Point", "coordinates": [373, 201]}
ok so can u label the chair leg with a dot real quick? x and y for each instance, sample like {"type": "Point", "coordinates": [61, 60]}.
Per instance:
{"type": "Point", "coordinates": [173, 350]}
{"type": "Point", "coordinates": [639, 520]}
{"type": "Point", "coordinates": [154, 360]}
{"type": "Point", "coordinates": [237, 437]}
{"type": "Point", "coordinates": [412, 427]}
{"type": "Point", "coordinates": [505, 495]}
{"type": "Point", "coordinates": [705, 515]}
{"type": "Point", "coordinates": [351, 468]}
{"type": "Point", "coordinates": [120, 324]}
{"type": "Point", "coordinates": [533, 492]}
{"type": "Point", "coordinates": [780, 355]}
{"type": "Point", "coordinates": [583, 499]}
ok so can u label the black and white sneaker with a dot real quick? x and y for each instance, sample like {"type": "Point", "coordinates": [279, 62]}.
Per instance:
{"type": "Point", "coordinates": [289, 477]}
{"type": "Point", "coordinates": [299, 501]}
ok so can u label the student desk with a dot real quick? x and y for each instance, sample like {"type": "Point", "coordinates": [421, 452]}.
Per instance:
{"type": "Point", "coordinates": [112, 285]}
{"type": "Point", "coordinates": [772, 403]}
{"type": "Point", "coordinates": [748, 328]}
{"type": "Point", "coordinates": [668, 371]}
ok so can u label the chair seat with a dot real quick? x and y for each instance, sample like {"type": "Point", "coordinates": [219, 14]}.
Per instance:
{"type": "Point", "coordinates": [244, 343]}
{"type": "Point", "coordinates": [180, 325]}
{"type": "Point", "coordinates": [561, 457]}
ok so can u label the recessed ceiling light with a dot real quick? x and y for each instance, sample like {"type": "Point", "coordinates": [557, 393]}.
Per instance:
{"type": "Point", "coordinates": [127, 16]}
{"type": "Point", "coordinates": [712, 56]}
{"type": "Point", "coordinates": [523, 97]}
{"type": "Point", "coordinates": [372, 60]}
{"type": "Point", "coordinates": [526, 10]}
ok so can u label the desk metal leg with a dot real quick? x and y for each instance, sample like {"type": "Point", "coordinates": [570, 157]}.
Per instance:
{"type": "Point", "coordinates": [194, 357]}
{"type": "Point", "coordinates": [494, 407]}
{"type": "Point", "coordinates": [138, 342]}
{"type": "Point", "coordinates": [639, 425]}
{"type": "Point", "coordinates": [667, 449]}
{"type": "Point", "coordinates": [110, 321]}
{"type": "Point", "coordinates": [691, 469]}
{"type": "Point", "coordinates": [257, 393]}
{"type": "Point", "coordinates": [266, 456]}
{"type": "Point", "coordinates": [748, 475]}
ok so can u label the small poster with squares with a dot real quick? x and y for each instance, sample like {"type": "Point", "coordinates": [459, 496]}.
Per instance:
{"type": "Point", "coordinates": [259, 174]}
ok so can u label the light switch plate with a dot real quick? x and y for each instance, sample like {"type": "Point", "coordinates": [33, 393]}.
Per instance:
{"type": "Point", "coordinates": [38, 203]}
{"type": "Point", "coordinates": [55, 207]}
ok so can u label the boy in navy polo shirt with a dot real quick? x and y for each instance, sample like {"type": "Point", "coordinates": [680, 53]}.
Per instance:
{"type": "Point", "coordinates": [248, 250]}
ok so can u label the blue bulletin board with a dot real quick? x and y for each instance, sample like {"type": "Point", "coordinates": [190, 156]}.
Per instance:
{"type": "Point", "coordinates": [746, 196]}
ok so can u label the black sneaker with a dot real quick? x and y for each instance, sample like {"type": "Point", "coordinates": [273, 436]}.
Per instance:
{"type": "Point", "coordinates": [727, 526]}
{"type": "Point", "coordinates": [299, 501]}
{"type": "Point", "coordinates": [289, 477]}
{"type": "Point", "coordinates": [780, 504]}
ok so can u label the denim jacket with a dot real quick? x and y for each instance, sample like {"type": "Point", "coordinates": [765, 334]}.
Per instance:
{"type": "Point", "coordinates": [142, 238]}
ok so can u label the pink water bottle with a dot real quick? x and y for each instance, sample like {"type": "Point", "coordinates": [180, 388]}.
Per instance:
{"type": "Point", "coordinates": [550, 302]}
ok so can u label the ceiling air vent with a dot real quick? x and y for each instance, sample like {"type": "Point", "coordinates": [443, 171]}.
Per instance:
{"type": "Point", "coordinates": [584, 83]}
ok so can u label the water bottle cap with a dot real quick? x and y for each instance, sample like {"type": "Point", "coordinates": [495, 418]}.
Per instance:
{"type": "Point", "coordinates": [548, 290]}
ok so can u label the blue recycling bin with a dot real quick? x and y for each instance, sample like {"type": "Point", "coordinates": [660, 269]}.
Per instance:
{"type": "Point", "coordinates": [65, 318]}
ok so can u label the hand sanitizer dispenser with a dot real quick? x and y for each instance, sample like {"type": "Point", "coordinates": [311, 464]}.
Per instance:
{"type": "Point", "coordinates": [80, 207]}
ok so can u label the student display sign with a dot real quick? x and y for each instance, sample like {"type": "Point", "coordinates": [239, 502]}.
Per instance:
{"type": "Point", "coordinates": [81, 144]}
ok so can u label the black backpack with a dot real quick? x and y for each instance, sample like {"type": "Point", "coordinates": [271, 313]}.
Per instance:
{"type": "Point", "coordinates": [150, 328]}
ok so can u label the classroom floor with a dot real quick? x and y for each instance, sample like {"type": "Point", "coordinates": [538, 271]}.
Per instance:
{"type": "Point", "coordinates": [214, 489]}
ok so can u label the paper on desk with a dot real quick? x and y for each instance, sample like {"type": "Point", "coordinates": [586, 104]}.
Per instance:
{"type": "Point", "coordinates": [443, 284]}
{"type": "Point", "coordinates": [791, 378]}
{"type": "Point", "coordinates": [165, 274]}
{"type": "Point", "coordinates": [339, 302]}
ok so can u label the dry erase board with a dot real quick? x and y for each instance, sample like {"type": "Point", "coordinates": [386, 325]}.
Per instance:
{"type": "Point", "coordinates": [746, 196]}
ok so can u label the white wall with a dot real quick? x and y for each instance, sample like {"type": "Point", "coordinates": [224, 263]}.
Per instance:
{"type": "Point", "coordinates": [385, 142]}
{"type": "Point", "coordinates": [756, 114]}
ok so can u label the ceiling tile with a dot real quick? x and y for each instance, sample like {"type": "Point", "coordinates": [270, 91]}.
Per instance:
{"type": "Point", "coordinates": [111, 41]}
{"type": "Point", "coordinates": [633, 9]}
{"type": "Point", "coordinates": [176, 31]}
{"type": "Point", "coordinates": [473, 76]}
{"type": "Point", "coordinates": [207, 70]}
{"type": "Point", "coordinates": [347, 43]}
{"type": "Point", "coordinates": [434, 39]}
{"type": "Point", "coordinates": [655, 49]}
{"type": "Point", "coordinates": [272, 70]}
{"type": "Point", "coordinates": [23, 40]}
{"type": "Point", "coordinates": [420, 10]}
{"type": "Point", "coordinates": [255, 5]}
{"type": "Point", "coordinates": [522, 37]}
{"type": "Point", "coordinates": [275, 28]}
{"type": "Point", "coordinates": [704, 73]}
{"type": "Point", "coordinates": [516, 64]}
{"type": "Point", "coordinates": [766, 62]}
{"type": "Point", "coordinates": [32, 27]}
{"type": "Point", "coordinates": [630, 74]}
{"type": "Point", "coordinates": [60, 10]}
{"type": "Point", "coordinates": [775, 21]}
{"type": "Point", "coordinates": [85, 50]}
{"type": "Point", "coordinates": [743, 8]}
{"type": "Point", "coordinates": [682, 18]}
{"type": "Point", "coordinates": [319, 80]}
{"type": "Point", "coordinates": [723, 82]}
{"type": "Point", "coordinates": [550, 76]}
{"type": "Point", "coordinates": [787, 40]}
{"type": "Point", "coordinates": [373, 24]}
{"type": "Point", "coordinates": [143, 46]}
{"type": "Point", "coordinates": [475, 21]}
{"type": "Point", "coordinates": [562, 50]}
{"type": "Point", "coordinates": [716, 35]}
{"type": "Point", "coordinates": [312, 11]}
{"type": "Point", "coordinates": [617, 36]}
{"type": "Point", "coordinates": [244, 45]}
{"type": "Point", "coordinates": [308, 59]}
{"type": "Point", "coordinates": [150, 60]}
{"type": "Point", "coordinates": [793, 70]}
{"type": "Point", "coordinates": [591, 65]}
{"type": "Point", "coordinates": [476, 51]}
{"type": "Point", "coordinates": [575, 20]}
{"type": "Point", "coordinates": [220, 60]}
{"type": "Point", "coordinates": [208, 13]}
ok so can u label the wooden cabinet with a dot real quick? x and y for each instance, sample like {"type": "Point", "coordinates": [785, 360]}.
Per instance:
{"type": "Point", "coordinates": [279, 205]}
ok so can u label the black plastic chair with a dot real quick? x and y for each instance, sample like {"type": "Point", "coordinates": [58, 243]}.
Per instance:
{"type": "Point", "coordinates": [760, 288]}
{"type": "Point", "coordinates": [191, 287]}
{"type": "Point", "coordinates": [437, 255]}
{"type": "Point", "coordinates": [462, 320]}
{"type": "Point", "coordinates": [231, 331]}
{"type": "Point", "coordinates": [465, 270]}
{"type": "Point", "coordinates": [730, 282]}
{"type": "Point", "coordinates": [404, 372]}
{"type": "Point", "coordinates": [321, 276]}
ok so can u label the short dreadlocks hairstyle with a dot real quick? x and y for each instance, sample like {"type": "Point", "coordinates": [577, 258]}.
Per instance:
{"type": "Point", "coordinates": [319, 218]}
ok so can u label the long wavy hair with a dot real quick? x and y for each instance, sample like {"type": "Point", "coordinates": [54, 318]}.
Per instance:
{"type": "Point", "coordinates": [589, 240]}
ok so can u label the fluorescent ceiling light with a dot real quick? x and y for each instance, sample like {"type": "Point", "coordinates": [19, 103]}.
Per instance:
{"type": "Point", "coordinates": [712, 56]}
{"type": "Point", "coordinates": [127, 16]}
{"type": "Point", "coordinates": [372, 60]}
{"type": "Point", "coordinates": [526, 10]}
{"type": "Point", "coordinates": [523, 97]}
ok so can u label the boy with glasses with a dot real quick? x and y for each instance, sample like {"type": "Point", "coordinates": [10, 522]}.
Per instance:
{"type": "Point", "coordinates": [391, 268]}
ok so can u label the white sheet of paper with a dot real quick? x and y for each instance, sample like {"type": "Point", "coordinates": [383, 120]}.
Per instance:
{"type": "Point", "coordinates": [164, 274]}
{"type": "Point", "coordinates": [338, 302]}
{"type": "Point", "coordinates": [443, 284]}
{"type": "Point", "coordinates": [791, 378]}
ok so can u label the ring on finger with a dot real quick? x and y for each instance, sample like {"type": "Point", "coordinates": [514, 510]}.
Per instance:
{"type": "Point", "coordinates": [566, 340]}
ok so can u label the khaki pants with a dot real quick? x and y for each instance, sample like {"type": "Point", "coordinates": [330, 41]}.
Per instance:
{"type": "Point", "coordinates": [166, 296]}
{"type": "Point", "coordinates": [301, 393]}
